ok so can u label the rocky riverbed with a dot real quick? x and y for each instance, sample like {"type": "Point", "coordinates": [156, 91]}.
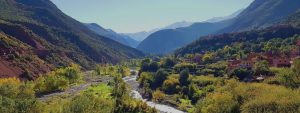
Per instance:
{"type": "Point", "coordinates": [132, 82]}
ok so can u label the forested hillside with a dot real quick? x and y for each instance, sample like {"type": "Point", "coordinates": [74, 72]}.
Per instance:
{"type": "Point", "coordinates": [261, 14]}
{"type": "Point", "coordinates": [287, 28]}
{"type": "Point", "coordinates": [52, 37]}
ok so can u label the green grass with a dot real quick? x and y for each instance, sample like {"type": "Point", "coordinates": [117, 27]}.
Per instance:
{"type": "Point", "coordinates": [101, 90]}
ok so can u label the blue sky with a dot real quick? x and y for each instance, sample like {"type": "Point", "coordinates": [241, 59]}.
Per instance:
{"type": "Point", "coordinates": [127, 16]}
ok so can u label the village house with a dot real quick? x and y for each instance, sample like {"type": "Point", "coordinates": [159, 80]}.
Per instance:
{"type": "Point", "coordinates": [274, 60]}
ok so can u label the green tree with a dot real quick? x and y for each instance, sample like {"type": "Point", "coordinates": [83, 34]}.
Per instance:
{"type": "Point", "coordinates": [208, 57]}
{"type": "Point", "coordinates": [240, 73]}
{"type": "Point", "coordinates": [296, 66]}
{"type": "Point", "coordinates": [171, 85]}
{"type": "Point", "coordinates": [119, 91]}
{"type": "Point", "coordinates": [183, 77]}
{"type": "Point", "coordinates": [169, 62]}
{"type": "Point", "coordinates": [159, 77]}
{"type": "Point", "coordinates": [261, 68]}
{"type": "Point", "coordinates": [98, 70]}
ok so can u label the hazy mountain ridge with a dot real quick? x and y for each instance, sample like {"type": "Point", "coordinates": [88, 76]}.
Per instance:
{"type": "Point", "coordinates": [218, 19]}
{"type": "Point", "coordinates": [140, 36]}
{"type": "Point", "coordinates": [184, 35]}
{"type": "Point", "coordinates": [123, 39]}
{"type": "Point", "coordinates": [288, 27]}
{"type": "Point", "coordinates": [260, 14]}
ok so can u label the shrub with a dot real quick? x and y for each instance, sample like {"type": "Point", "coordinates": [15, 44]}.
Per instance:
{"type": "Point", "coordinates": [261, 68]}
{"type": "Point", "coordinates": [285, 77]}
{"type": "Point", "coordinates": [90, 104]}
{"type": "Point", "coordinates": [240, 73]}
{"type": "Point", "coordinates": [158, 96]}
{"type": "Point", "coordinates": [158, 79]}
{"type": "Point", "coordinates": [218, 103]}
{"type": "Point", "coordinates": [18, 97]}
{"type": "Point", "coordinates": [145, 77]}
{"type": "Point", "coordinates": [171, 85]}
{"type": "Point", "coordinates": [59, 79]}
{"type": "Point", "coordinates": [183, 77]}
{"type": "Point", "coordinates": [9, 87]}
{"type": "Point", "coordinates": [72, 73]}
{"type": "Point", "coordinates": [98, 70]}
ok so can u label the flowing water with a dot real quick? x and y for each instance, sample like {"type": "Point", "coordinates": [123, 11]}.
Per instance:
{"type": "Point", "coordinates": [131, 80]}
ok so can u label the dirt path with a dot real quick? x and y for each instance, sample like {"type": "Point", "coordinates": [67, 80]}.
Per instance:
{"type": "Point", "coordinates": [73, 90]}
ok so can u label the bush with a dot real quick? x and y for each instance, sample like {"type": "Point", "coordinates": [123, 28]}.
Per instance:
{"type": "Point", "coordinates": [183, 77]}
{"type": "Point", "coordinates": [145, 77]}
{"type": "Point", "coordinates": [98, 70]}
{"type": "Point", "coordinates": [158, 79]}
{"type": "Point", "coordinates": [185, 105]}
{"type": "Point", "coordinates": [58, 80]}
{"type": "Point", "coordinates": [285, 77]}
{"type": "Point", "coordinates": [240, 73]}
{"type": "Point", "coordinates": [171, 85]}
{"type": "Point", "coordinates": [18, 97]}
{"type": "Point", "coordinates": [169, 63]}
{"type": "Point", "coordinates": [90, 104]}
{"type": "Point", "coordinates": [261, 68]}
{"type": "Point", "coordinates": [218, 103]}
{"type": "Point", "coordinates": [270, 99]}
{"type": "Point", "coordinates": [158, 96]}
{"type": "Point", "coordinates": [72, 73]}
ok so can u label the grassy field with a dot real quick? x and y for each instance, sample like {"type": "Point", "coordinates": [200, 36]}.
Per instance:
{"type": "Point", "coordinates": [102, 90]}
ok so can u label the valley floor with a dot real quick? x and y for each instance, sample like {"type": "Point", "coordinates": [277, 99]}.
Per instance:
{"type": "Point", "coordinates": [89, 80]}
{"type": "Point", "coordinates": [133, 83]}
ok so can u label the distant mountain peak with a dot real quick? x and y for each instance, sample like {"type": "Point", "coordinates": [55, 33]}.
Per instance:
{"type": "Point", "coordinates": [140, 36]}
{"type": "Point", "coordinates": [175, 37]}
{"type": "Point", "coordinates": [109, 33]}
{"type": "Point", "coordinates": [218, 19]}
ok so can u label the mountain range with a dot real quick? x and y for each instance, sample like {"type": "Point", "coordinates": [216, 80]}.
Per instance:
{"type": "Point", "coordinates": [219, 19]}
{"type": "Point", "coordinates": [140, 36]}
{"type": "Point", "coordinates": [172, 39]}
{"type": "Point", "coordinates": [260, 14]}
{"type": "Point", "coordinates": [287, 27]}
{"type": "Point", "coordinates": [166, 41]}
{"type": "Point", "coordinates": [121, 38]}
{"type": "Point", "coordinates": [37, 37]}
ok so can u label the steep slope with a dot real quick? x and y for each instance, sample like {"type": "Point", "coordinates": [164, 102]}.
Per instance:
{"type": "Point", "coordinates": [288, 27]}
{"type": "Point", "coordinates": [172, 39]}
{"type": "Point", "coordinates": [123, 39]}
{"type": "Point", "coordinates": [54, 38]}
{"type": "Point", "coordinates": [261, 14]}
{"type": "Point", "coordinates": [17, 58]}
{"type": "Point", "coordinates": [166, 41]}
{"type": "Point", "coordinates": [293, 20]}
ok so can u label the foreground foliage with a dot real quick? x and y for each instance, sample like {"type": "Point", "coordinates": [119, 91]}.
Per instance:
{"type": "Point", "coordinates": [220, 93]}
{"type": "Point", "coordinates": [21, 96]}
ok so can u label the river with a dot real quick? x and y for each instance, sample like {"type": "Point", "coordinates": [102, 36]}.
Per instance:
{"type": "Point", "coordinates": [132, 81]}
